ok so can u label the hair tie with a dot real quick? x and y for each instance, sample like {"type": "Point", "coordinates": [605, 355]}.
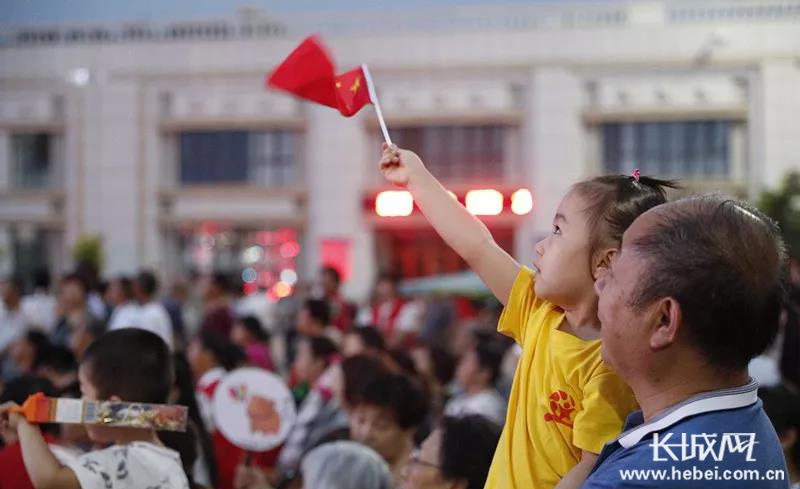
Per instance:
{"type": "Point", "coordinates": [636, 175]}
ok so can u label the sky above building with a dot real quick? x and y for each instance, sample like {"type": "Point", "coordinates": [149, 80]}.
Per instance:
{"type": "Point", "coordinates": [37, 12]}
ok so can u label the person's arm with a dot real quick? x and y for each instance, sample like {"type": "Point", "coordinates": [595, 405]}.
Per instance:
{"type": "Point", "coordinates": [43, 468]}
{"type": "Point", "coordinates": [578, 474]}
{"type": "Point", "coordinates": [462, 231]}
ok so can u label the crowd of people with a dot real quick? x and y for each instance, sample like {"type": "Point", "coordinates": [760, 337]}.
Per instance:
{"type": "Point", "coordinates": [364, 375]}
{"type": "Point", "coordinates": [639, 318]}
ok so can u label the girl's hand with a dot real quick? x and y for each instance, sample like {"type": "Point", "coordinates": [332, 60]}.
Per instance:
{"type": "Point", "coordinates": [398, 166]}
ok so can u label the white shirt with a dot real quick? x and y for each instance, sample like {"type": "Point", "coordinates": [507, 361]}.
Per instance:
{"type": "Point", "coordinates": [12, 326]}
{"type": "Point", "coordinates": [488, 403]}
{"type": "Point", "coordinates": [155, 318]}
{"type": "Point", "coordinates": [39, 310]}
{"type": "Point", "coordinates": [127, 315]}
{"type": "Point", "coordinates": [136, 465]}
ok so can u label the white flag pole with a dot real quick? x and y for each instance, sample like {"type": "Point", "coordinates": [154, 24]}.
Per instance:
{"type": "Point", "coordinates": [374, 98]}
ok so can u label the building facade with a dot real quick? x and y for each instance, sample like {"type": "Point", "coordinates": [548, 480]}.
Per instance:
{"type": "Point", "coordinates": [162, 139]}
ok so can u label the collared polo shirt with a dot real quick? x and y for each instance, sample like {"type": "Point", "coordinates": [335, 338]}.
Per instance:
{"type": "Point", "coordinates": [715, 439]}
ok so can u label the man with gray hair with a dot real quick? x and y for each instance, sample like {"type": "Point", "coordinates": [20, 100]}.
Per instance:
{"type": "Point", "coordinates": [693, 295]}
{"type": "Point", "coordinates": [344, 465]}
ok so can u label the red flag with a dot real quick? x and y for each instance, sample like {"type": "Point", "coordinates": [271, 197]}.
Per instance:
{"type": "Point", "coordinates": [309, 73]}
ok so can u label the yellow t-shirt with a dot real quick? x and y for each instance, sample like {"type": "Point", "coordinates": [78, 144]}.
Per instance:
{"type": "Point", "coordinates": [564, 398]}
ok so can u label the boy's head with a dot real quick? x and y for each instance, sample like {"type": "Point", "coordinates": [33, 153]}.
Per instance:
{"type": "Point", "coordinates": [387, 412]}
{"type": "Point", "coordinates": [128, 364]}
{"type": "Point", "coordinates": [587, 231]}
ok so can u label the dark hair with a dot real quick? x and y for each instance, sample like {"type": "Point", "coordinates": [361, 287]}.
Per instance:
{"type": "Point", "coordinates": [390, 277]}
{"type": "Point", "coordinates": [402, 395]}
{"type": "Point", "coordinates": [333, 273]}
{"type": "Point", "coordinates": [467, 448]}
{"type": "Point", "coordinates": [221, 281]}
{"type": "Point", "coordinates": [782, 405]}
{"type": "Point", "coordinates": [130, 363]}
{"type": "Point", "coordinates": [18, 389]}
{"type": "Point", "coordinates": [615, 201]}
{"type": "Point", "coordinates": [186, 397]}
{"type": "Point", "coordinates": [78, 279]}
{"type": "Point", "coordinates": [126, 285]}
{"type": "Point", "coordinates": [40, 343]}
{"type": "Point", "coordinates": [147, 282]}
{"type": "Point", "coordinates": [359, 371]}
{"type": "Point", "coordinates": [227, 355]}
{"type": "Point", "coordinates": [489, 353]}
{"type": "Point", "coordinates": [319, 310]}
{"type": "Point", "coordinates": [443, 363]}
{"type": "Point", "coordinates": [322, 348]}
{"type": "Point", "coordinates": [403, 361]}
{"type": "Point", "coordinates": [58, 358]}
{"type": "Point", "coordinates": [254, 327]}
{"type": "Point", "coordinates": [41, 278]}
{"type": "Point", "coordinates": [722, 261]}
{"type": "Point", "coordinates": [370, 336]}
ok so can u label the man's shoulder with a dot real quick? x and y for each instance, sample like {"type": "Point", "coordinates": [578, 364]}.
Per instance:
{"type": "Point", "coordinates": [697, 449]}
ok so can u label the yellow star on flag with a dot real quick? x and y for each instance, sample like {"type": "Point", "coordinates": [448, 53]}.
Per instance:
{"type": "Point", "coordinates": [356, 85]}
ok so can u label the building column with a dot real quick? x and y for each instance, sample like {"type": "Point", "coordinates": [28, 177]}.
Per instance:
{"type": "Point", "coordinates": [108, 185]}
{"type": "Point", "coordinates": [337, 164]}
{"type": "Point", "coordinates": [553, 145]}
{"type": "Point", "coordinates": [775, 103]}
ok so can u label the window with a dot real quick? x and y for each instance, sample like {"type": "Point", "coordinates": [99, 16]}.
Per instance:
{"type": "Point", "coordinates": [252, 157]}
{"type": "Point", "coordinates": [32, 156]}
{"type": "Point", "coordinates": [700, 149]}
{"type": "Point", "coordinates": [32, 248]}
{"type": "Point", "coordinates": [457, 152]}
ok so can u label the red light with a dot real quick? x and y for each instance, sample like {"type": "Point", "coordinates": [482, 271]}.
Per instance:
{"type": "Point", "coordinates": [290, 249]}
{"type": "Point", "coordinates": [521, 202]}
{"type": "Point", "coordinates": [394, 203]}
{"type": "Point", "coordinates": [485, 202]}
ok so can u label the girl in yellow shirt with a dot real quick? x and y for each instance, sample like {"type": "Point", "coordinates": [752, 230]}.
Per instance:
{"type": "Point", "coordinates": [565, 402]}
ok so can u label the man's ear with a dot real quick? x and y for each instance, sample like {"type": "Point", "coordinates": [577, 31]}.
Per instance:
{"type": "Point", "coordinates": [667, 322]}
{"type": "Point", "coordinates": [601, 261]}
